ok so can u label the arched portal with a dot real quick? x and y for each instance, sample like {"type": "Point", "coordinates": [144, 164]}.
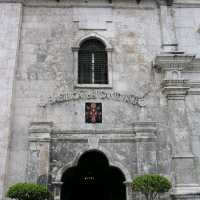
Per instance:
{"type": "Point", "coordinates": [93, 178]}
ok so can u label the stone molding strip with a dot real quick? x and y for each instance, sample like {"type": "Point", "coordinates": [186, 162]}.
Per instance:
{"type": "Point", "coordinates": [55, 4]}
{"type": "Point", "coordinates": [44, 131]}
{"type": "Point", "coordinates": [95, 132]}
{"type": "Point", "coordinates": [194, 87]}
{"type": "Point", "coordinates": [175, 4]}
{"type": "Point", "coordinates": [79, 139]}
{"type": "Point", "coordinates": [173, 69]}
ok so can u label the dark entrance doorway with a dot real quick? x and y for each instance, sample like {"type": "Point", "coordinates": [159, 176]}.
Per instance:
{"type": "Point", "coordinates": [93, 179]}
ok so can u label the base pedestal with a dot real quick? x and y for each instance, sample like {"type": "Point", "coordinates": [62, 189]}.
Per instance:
{"type": "Point", "coordinates": [187, 192]}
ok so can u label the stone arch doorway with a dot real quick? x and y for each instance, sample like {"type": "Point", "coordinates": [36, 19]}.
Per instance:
{"type": "Point", "coordinates": [93, 178]}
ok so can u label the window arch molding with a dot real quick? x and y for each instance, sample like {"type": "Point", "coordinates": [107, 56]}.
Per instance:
{"type": "Point", "coordinates": [108, 49]}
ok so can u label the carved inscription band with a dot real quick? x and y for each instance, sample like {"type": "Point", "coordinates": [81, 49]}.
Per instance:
{"type": "Point", "coordinates": [94, 94]}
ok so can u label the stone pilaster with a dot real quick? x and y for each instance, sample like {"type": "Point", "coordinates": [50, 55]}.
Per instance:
{"type": "Point", "coordinates": [129, 191]}
{"type": "Point", "coordinates": [175, 88]}
{"type": "Point", "coordinates": [168, 33]}
{"type": "Point", "coordinates": [57, 190]}
{"type": "Point", "coordinates": [10, 27]}
{"type": "Point", "coordinates": [146, 147]}
{"type": "Point", "coordinates": [39, 152]}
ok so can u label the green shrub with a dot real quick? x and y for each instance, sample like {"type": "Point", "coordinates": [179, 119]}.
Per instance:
{"type": "Point", "coordinates": [28, 191]}
{"type": "Point", "coordinates": [151, 185]}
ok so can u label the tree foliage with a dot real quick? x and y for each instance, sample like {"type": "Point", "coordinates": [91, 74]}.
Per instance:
{"type": "Point", "coordinates": [28, 191]}
{"type": "Point", "coordinates": [151, 185]}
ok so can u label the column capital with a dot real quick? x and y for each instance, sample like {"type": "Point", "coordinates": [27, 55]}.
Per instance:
{"type": "Point", "coordinates": [165, 2]}
{"type": "Point", "coordinates": [171, 67]}
{"type": "Point", "coordinates": [57, 183]}
{"type": "Point", "coordinates": [173, 62]}
{"type": "Point", "coordinates": [40, 131]}
{"type": "Point", "coordinates": [75, 49]}
{"type": "Point", "coordinates": [175, 89]}
{"type": "Point", "coordinates": [127, 183]}
{"type": "Point", "coordinates": [145, 129]}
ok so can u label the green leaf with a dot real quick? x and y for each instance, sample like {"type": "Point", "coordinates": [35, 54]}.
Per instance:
{"type": "Point", "coordinates": [28, 191]}
{"type": "Point", "coordinates": [151, 185]}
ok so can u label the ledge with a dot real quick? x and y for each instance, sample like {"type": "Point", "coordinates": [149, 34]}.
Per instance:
{"type": "Point", "coordinates": [183, 156]}
{"type": "Point", "coordinates": [40, 131]}
{"type": "Point", "coordinates": [150, 127]}
{"type": "Point", "coordinates": [175, 89]}
{"type": "Point", "coordinates": [105, 136]}
{"type": "Point", "coordinates": [141, 131]}
{"type": "Point", "coordinates": [194, 87]}
{"type": "Point", "coordinates": [91, 131]}
{"type": "Point", "coordinates": [186, 189]}
{"type": "Point", "coordinates": [145, 129]}
{"type": "Point", "coordinates": [40, 127]}
{"type": "Point", "coordinates": [57, 183]}
{"type": "Point", "coordinates": [95, 86]}
{"type": "Point", "coordinates": [165, 62]}
{"type": "Point", "coordinates": [173, 69]}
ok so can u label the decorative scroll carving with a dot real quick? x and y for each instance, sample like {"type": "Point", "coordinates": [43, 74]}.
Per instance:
{"type": "Point", "coordinates": [93, 94]}
{"type": "Point", "coordinates": [174, 85]}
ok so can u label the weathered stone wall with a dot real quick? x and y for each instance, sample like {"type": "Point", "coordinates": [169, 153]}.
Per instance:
{"type": "Point", "coordinates": [64, 152]}
{"type": "Point", "coordinates": [188, 28]}
{"type": "Point", "coordinates": [10, 24]}
{"type": "Point", "coordinates": [193, 116]}
{"type": "Point", "coordinates": [46, 68]}
{"type": "Point", "coordinates": [44, 47]}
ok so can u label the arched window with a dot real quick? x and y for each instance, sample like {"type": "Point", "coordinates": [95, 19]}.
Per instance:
{"type": "Point", "coordinates": [92, 63]}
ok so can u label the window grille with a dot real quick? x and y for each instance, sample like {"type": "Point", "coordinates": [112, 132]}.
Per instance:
{"type": "Point", "coordinates": [92, 63]}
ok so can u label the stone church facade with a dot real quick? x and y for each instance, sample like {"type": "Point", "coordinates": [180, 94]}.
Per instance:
{"type": "Point", "coordinates": [138, 112]}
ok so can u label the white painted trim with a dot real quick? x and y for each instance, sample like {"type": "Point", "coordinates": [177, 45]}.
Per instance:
{"type": "Point", "coordinates": [89, 36]}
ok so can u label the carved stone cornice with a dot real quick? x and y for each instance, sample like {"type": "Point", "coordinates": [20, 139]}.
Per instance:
{"type": "Point", "coordinates": [57, 183]}
{"type": "Point", "coordinates": [40, 127]}
{"type": "Point", "coordinates": [173, 84]}
{"type": "Point", "coordinates": [167, 2]}
{"type": "Point", "coordinates": [40, 131]}
{"type": "Point", "coordinates": [175, 89]}
{"type": "Point", "coordinates": [83, 132]}
{"type": "Point", "coordinates": [194, 87]}
{"type": "Point", "coordinates": [140, 132]}
{"type": "Point", "coordinates": [186, 191]}
{"type": "Point", "coordinates": [127, 183]}
{"type": "Point", "coordinates": [145, 129]}
{"type": "Point", "coordinates": [12, 1]}
{"type": "Point", "coordinates": [168, 62]}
